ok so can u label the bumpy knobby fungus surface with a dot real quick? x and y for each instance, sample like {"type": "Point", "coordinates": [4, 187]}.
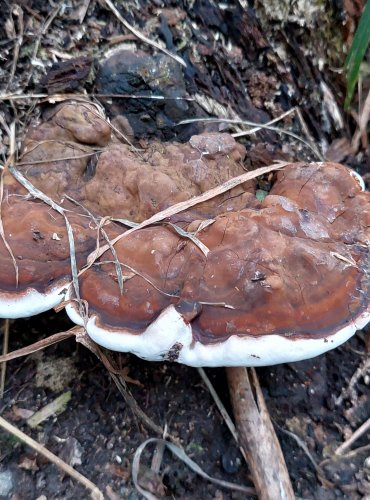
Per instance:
{"type": "Point", "coordinates": [284, 279]}
{"type": "Point", "coordinates": [120, 182]}
{"type": "Point", "coordinates": [74, 158]}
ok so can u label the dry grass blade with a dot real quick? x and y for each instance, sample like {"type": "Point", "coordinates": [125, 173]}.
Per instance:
{"type": "Point", "coordinates": [52, 98]}
{"type": "Point", "coordinates": [362, 123]}
{"type": "Point", "coordinates": [271, 122]}
{"type": "Point", "coordinates": [180, 454]}
{"type": "Point", "coordinates": [172, 295]}
{"type": "Point", "coordinates": [185, 234]}
{"type": "Point", "coordinates": [66, 144]}
{"type": "Point", "coordinates": [106, 237]}
{"type": "Point", "coordinates": [132, 403]}
{"type": "Point", "coordinates": [55, 407]}
{"type": "Point", "coordinates": [302, 445]}
{"type": "Point", "coordinates": [95, 493]}
{"type": "Point", "coordinates": [257, 126]}
{"type": "Point", "coordinates": [65, 158]}
{"type": "Point", "coordinates": [82, 10]}
{"type": "Point", "coordinates": [101, 115]}
{"type": "Point", "coordinates": [41, 344]}
{"type": "Point", "coordinates": [184, 205]}
{"type": "Point", "coordinates": [141, 36]}
{"type": "Point", "coordinates": [5, 352]}
{"type": "Point", "coordinates": [18, 12]}
{"type": "Point", "coordinates": [2, 232]}
{"type": "Point", "coordinates": [138, 273]}
{"type": "Point", "coordinates": [222, 410]}
{"type": "Point", "coordinates": [36, 47]}
{"type": "Point", "coordinates": [42, 196]}
{"type": "Point", "coordinates": [120, 382]}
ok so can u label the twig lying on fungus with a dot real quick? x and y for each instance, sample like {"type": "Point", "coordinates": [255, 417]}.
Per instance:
{"type": "Point", "coordinates": [184, 205]}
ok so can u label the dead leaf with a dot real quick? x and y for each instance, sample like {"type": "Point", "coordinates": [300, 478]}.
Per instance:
{"type": "Point", "coordinates": [28, 463]}
{"type": "Point", "coordinates": [119, 471]}
{"type": "Point", "coordinates": [21, 413]}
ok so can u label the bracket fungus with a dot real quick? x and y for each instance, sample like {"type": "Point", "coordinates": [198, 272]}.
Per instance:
{"type": "Point", "coordinates": [232, 281]}
{"type": "Point", "coordinates": [35, 262]}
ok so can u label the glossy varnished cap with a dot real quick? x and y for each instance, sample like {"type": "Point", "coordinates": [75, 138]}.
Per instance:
{"type": "Point", "coordinates": [283, 281]}
{"type": "Point", "coordinates": [37, 278]}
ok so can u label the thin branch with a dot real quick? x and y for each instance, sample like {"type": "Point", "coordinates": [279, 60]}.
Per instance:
{"type": "Point", "coordinates": [96, 494]}
{"type": "Point", "coordinates": [5, 352]}
{"type": "Point", "coordinates": [357, 434]}
{"type": "Point", "coordinates": [258, 125]}
{"type": "Point", "coordinates": [41, 344]}
{"type": "Point", "coordinates": [141, 36]}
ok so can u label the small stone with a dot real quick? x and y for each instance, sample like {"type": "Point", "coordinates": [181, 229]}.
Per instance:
{"type": "Point", "coordinates": [231, 461]}
{"type": "Point", "coordinates": [6, 483]}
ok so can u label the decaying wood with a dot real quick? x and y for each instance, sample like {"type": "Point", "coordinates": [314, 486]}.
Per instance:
{"type": "Point", "coordinates": [257, 436]}
{"type": "Point", "coordinates": [66, 76]}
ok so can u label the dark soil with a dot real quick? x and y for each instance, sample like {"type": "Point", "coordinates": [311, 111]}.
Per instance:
{"type": "Point", "coordinates": [256, 63]}
{"type": "Point", "coordinates": [102, 430]}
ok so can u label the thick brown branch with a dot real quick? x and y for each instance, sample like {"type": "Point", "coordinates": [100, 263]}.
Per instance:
{"type": "Point", "coordinates": [257, 436]}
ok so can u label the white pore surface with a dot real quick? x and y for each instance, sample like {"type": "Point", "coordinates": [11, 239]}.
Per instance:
{"type": "Point", "coordinates": [29, 302]}
{"type": "Point", "coordinates": [359, 178]}
{"type": "Point", "coordinates": [169, 330]}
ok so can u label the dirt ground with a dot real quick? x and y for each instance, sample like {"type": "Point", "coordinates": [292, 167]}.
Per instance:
{"type": "Point", "coordinates": [99, 434]}
{"type": "Point", "coordinates": [255, 61]}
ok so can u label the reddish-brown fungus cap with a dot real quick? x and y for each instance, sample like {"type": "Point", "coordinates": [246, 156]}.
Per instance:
{"type": "Point", "coordinates": [41, 271]}
{"type": "Point", "coordinates": [280, 282]}
{"type": "Point", "coordinates": [120, 182]}
{"type": "Point", "coordinates": [36, 271]}
{"type": "Point", "coordinates": [283, 279]}
{"type": "Point", "coordinates": [71, 155]}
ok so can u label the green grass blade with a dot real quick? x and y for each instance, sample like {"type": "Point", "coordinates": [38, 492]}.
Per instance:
{"type": "Point", "coordinates": [357, 52]}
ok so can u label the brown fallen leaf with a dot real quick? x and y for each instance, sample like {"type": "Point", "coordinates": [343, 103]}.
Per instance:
{"type": "Point", "coordinates": [21, 413]}
{"type": "Point", "coordinates": [28, 463]}
{"type": "Point", "coordinates": [119, 471]}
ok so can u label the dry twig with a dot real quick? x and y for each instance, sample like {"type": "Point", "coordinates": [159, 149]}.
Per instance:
{"type": "Point", "coordinates": [356, 435]}
{"type": "Point", "coordinates": [141, 36]}
{"type": "Point", "coordinates": [41, 344]}
{"type": "Point", "coordinates": [5, 352]}
{"type": "Point", "coordinates": [96, 494]}
{"type": "Point", "coordinates": [257, 435]}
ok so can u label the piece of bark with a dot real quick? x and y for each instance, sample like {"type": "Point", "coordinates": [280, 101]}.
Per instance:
{"type": "Point", "coordinates": [257, 436]}
{"type": "Point", "coordinates": [66, 76]}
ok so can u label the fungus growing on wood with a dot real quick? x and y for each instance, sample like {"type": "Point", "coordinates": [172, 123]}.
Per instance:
{"type": "Point", "coordinates": [35, 247]}
{"type": "Point", "coordinates": [283, 281]}
{"type": "Point", "coordinates": [74, 162]}
{"type": "Point", "coordinates": [231, 281]}
{"type": "Point", "coordinates": [35, 262]}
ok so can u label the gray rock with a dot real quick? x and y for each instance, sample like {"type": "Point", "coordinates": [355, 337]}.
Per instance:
{"type": "Point", "coordinates": [6, 483]}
